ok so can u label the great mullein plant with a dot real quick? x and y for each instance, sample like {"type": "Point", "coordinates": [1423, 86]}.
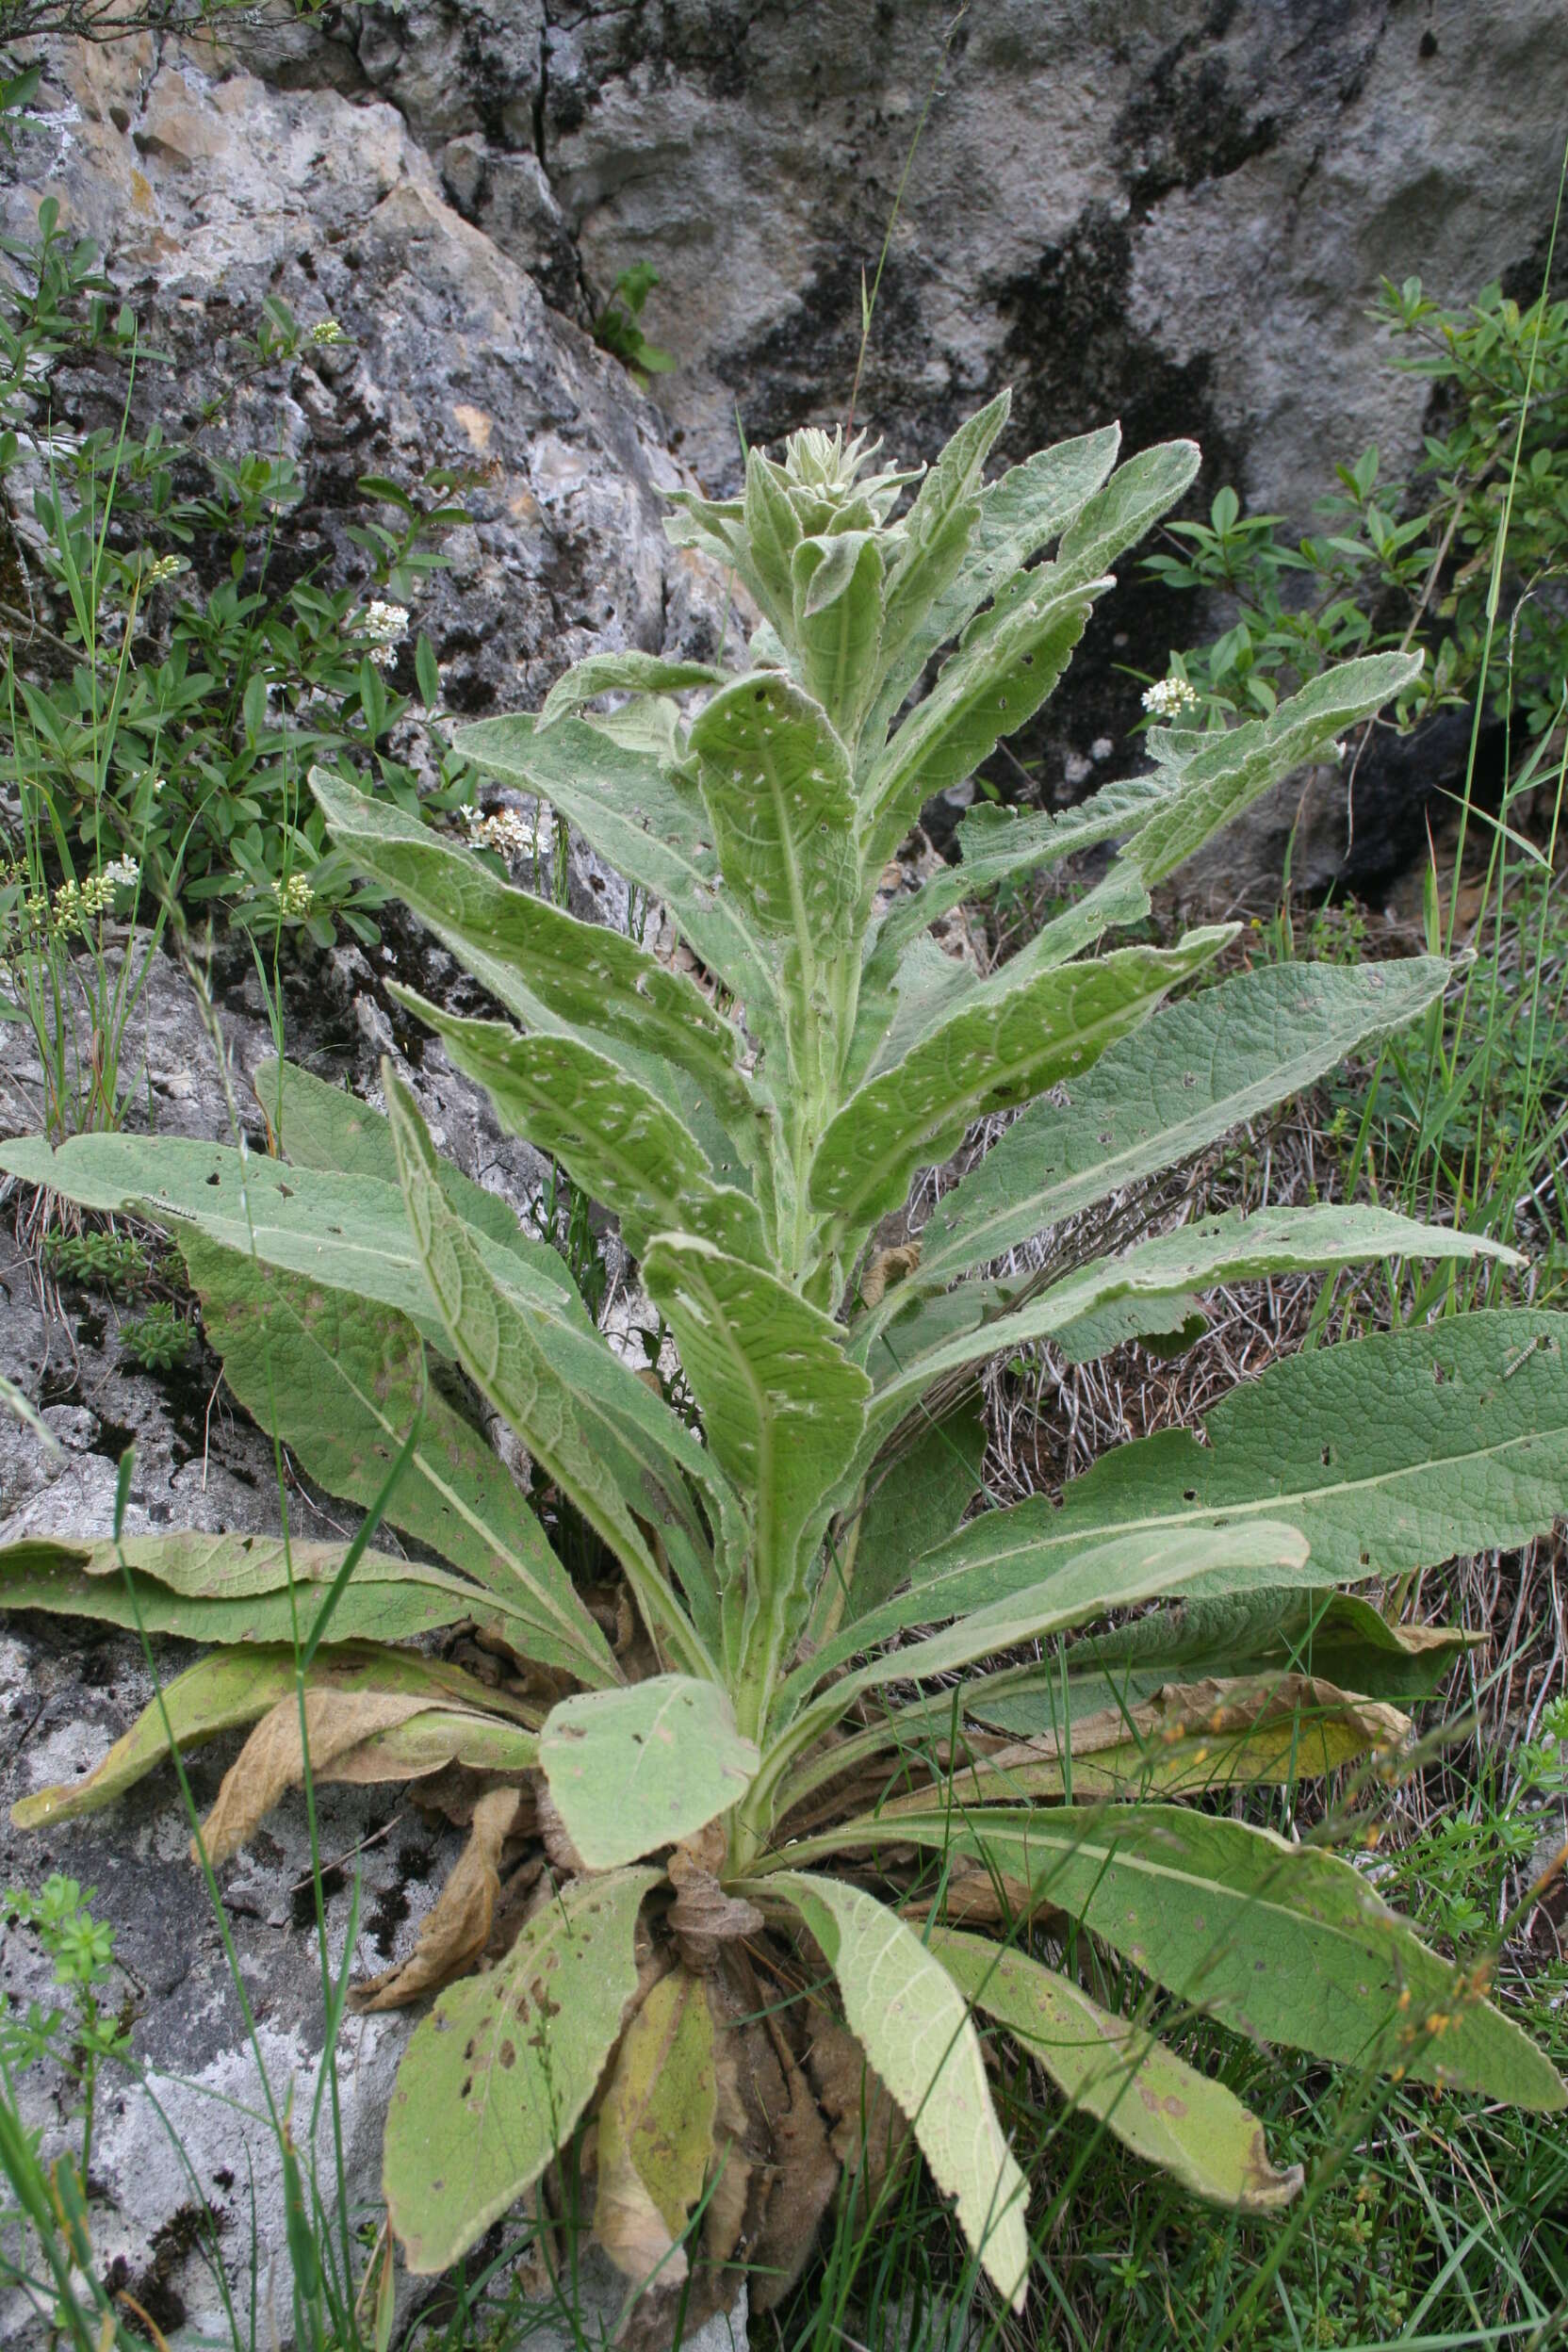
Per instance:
{"type": "Point", "coordinates": [767, 1808]}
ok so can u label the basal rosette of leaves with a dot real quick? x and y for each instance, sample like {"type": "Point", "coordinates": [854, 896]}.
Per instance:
{"type": "Point", "coordinates": [773, 1803]}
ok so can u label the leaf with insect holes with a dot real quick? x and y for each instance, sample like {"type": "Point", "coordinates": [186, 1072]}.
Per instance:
{"type": "Point", "coordinates": [913, 2023]}
{"type": "Point", "coordinates": [617, 1140]}
{"type": "Point", "coordinates": [1288, 1943]}
{"type": "Point", "coordinates": [630, 1770]}
{"type": "Point", "coordinates": [340, 1382]}
{"type": "Point", "coordinates": [350, 1233]}
{"type": "Point", "coordinates": [1171, 1268]}
{"type": "Point", "coordinates": [1390, 1453]}
{"type": "Point", "coordinates": [1195, 1070]}
{"type": "Point", "coordinates": [495, 2078]}
{"type": "Point", "coordinates": [1157, 2105]}
{"type": "Point", "coordinates": [1004, 1044]}
{"type": "Point", "coordinates": [776, 782]}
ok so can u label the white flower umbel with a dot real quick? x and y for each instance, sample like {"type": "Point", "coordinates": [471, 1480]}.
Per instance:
{"type": "Point", "coordinates": [385, 625]}
{"type": "Point", "coordinates": [511, 832]}
{"type": "Point", "coordinates": [294, 895]}
{"type": "Point", "coordinates": [1168, 697]}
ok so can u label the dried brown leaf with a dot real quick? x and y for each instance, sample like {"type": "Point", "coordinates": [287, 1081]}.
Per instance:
{"type": "Point", "coordinates": [272, 1760]}
{"type": "Point", "coordinates": [887, 1268]}
{"type": "Point", "coordinates": [454, 1935]}
{"type": "Point", "coordinates": [703, 1917]}
{"type": "Point", "coordinates": [870, 2134]}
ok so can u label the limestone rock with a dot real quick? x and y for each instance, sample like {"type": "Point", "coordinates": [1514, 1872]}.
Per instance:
{"type": "Point", "coordinates": [211, 190]}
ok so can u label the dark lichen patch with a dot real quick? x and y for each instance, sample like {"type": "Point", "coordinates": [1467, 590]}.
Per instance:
{"type": "Point", "coordinates": [1075, 356]}
{"type": "Point", "coordinates": [1186, 124]}
{"type": "Point", "coordinates": [176, 2238]}
{"type": "Point", "coordinates": [301, 1909]}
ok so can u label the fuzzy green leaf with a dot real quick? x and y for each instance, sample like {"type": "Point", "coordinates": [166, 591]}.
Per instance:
{"type": "Point", "coordinates": [1019, 513]}
{"type": "Point", "coordinates": [635, 1770]}
{"type": "Point", "coordinates": [349, 1232]}
{"type": "Point", "coordinates": [910, 2018]}
{"type": "Point", "coordinates": [1130, 503]}
{"type": "Point", "coordinates": [498, 2075]}
{"type": "Point", "coordinates": [1172, 1269]}
{"type": "Point", "coordinates": [770, 536]}
{"type": "Point", "coordinates": [623, 673]}
{"type": "Point", "coordinates": [939, 528]}
{"type": "Point", "coordinates": [777, 785]}
{"type": "Point", "coordinates": [1001, 846]}
{"type": "Point", "coordinates": [616, 1139]}
{"type": "Point", "coordinates": [1197, 1069]}
{"type": "Point", "coordinates": [1003, 1045]}
{"type": "Point", "coordinates": [1390, 1453]}
{"type": "Point", "coordinates": [986, 692]}
{"type": "Point", "coordinates": [1285, 1942]}
{"type": "Point", "coordinates": [1226, 776]}
{"type": "Point", "coordinates": [236, 1588]}
{"type": "Point", "coordinates": [549, 971]}
{"type": "Point", "coordinates": [1105, 1576]}
{"type": "Point", "coordinates": [646, 825]}
{"type": "Point", "coordinates": [616, 1450]}
{"type": "Point", "coordinates": [1157, 2105]}
{"type": "Point", "coordinates": [837, 623]}
{"type": "Point", "coordinates": [783, 1407]}
{"type": "Point", "coordinates": [341, 1381]}
{"type": "Point", "coordinates": [920, 1498]}
{"type": "Point", "coordinates": [328, 1127]}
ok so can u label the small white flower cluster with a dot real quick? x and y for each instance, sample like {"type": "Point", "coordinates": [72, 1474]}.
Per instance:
{"type": "Point", "coordinates": [510, 833]}
{"type": "Point", "coordinates": [162, 567]}
{"type": "Point", "coordinates": [326, 333]}
{"type": "Point", "coordinates": [1168, 697]}
{"type": "Point", "coordinates": [384, 624]}
{"type": "Point", "coordinates": [294, 895]}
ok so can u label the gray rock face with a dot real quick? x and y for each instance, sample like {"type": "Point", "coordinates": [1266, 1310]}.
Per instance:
{"type": "Point", "coordinates": [1174, 214]}
{"type": "Point", "coordinates": [211, 189]}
